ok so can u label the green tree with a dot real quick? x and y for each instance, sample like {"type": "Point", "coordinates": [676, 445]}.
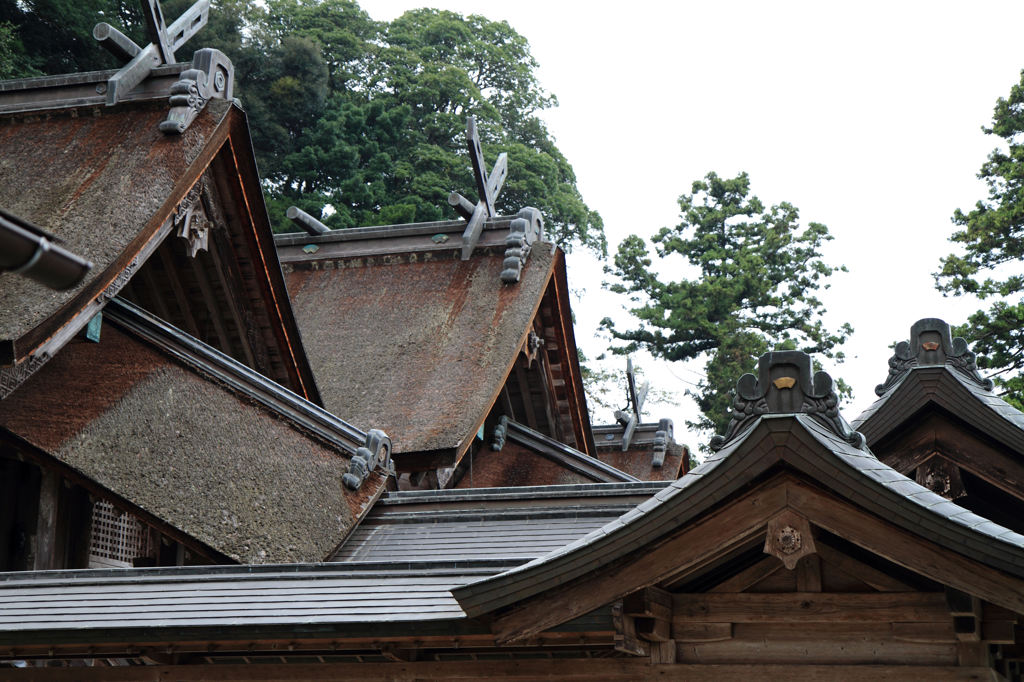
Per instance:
{"type": "Point", "coordinates": [386, 142]}
{"type": "Point", "coordinates": [365, 117]}
{"type": "Point", "coordinates": [992, 237]}
{"type": "Point", "coordinates": [55, 36]}
{"type": "Point", "coordinates": [755, 272]}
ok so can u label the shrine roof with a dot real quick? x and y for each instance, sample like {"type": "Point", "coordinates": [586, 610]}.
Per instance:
{"type": "Point", "coordinates": [189, 438]}
{"type": "Point", "coordinates": [945, 376]}
{"type": "Point", "coordinates": [509, 524]}
{"type": "Point", "coordinates": [222, 599]}
{"type": "Point", "coordinates": [818, 445]}
{"type": "Point", "coordinates": [101, 180]}
{"type": "Point", "coordinates": [639, 458]}
{"type": "Point", "coordinates": [435, 334]}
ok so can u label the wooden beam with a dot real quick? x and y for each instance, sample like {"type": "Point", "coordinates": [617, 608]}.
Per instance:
{"type": "Point", "coordinates": [527, 397]}
{"type": "Point", "coordinates": [698, 544]}
{"type": "Point", "coordinates": [926, 633]}
{"type": "Point", "coordinates": [550, 398]}
{"type": "Point", "coordinates": [551, 670]}
{"type": "Point", "coordinates": [45, 536]}
{"type": "Point", "coordinates": [821, 644]}
{"type": "Point", "coordinates": [231, 294]}
{"type": "Point", "coordinates": [213, 309]}
{"type": "Point", "coordinates": [809, 607]}
{"type": "Point", "coordinates": [906, 549]}
{"type": "Point", "coordinates": [749, 577]}
{"type": "Point", "coordinates": [650, 602]}
{"type": "Point", "coordinates": [808, 574]}
{"type": "Point", "coordinates": [626, 639]}
{"type": "Point", "coordinates": [883, 582]}
{"type": "Point", "coordinates": [170, 273]}
{"type": "Point", "coordinates": [998, 625]}
{"type": "Point", "coordinates": [973, 654]}
{"type": "Point", "coordinates": [663, 652]}
{"type": "Point", "coordinates": [701, 632]}
{"type": "Point", "coordinates": [152, 292]}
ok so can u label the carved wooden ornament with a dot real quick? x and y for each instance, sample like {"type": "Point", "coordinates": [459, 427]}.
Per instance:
{"type": "Point", "coordinates": [789, 538]}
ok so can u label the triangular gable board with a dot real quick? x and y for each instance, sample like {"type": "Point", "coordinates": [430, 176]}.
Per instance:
{"type": "Point", "coordinates": [938, 421]}
{"type": "Point", "coordinates": [520, 456]}
{"type": "Point", "coordinates": [792, 548]}
{"type": "Point", "coordinates": [394, 310]}
{"type": "Point", "coordinates": [176, 223]}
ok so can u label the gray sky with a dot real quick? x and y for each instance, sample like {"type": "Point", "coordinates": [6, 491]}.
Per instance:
{"type": "Point", "coordinates": [865, 115]}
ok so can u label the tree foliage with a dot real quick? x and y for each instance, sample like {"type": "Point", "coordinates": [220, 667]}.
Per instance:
{"type": "Point", "coordinates": [366, 117]}
{"type": "Point", "coordinates": [756, 273]}
{"type": "Point", "coordinates": [989, 265]}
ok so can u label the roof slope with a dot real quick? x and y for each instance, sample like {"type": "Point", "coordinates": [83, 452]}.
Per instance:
{"type": "Point", "coordinates": [516, 524]}
{"type": "Point", "coordinates": [436, 336]}
{"type": "Point", "coordinates": [102, 182]}
{"type": "Point", "coordinates": [952, 391]}
{"type": "Point", "coordinates": [756, 444]}
{"type": "Point", "coordinates": [240, 477]}
{"type": "Point", "coordinates": [221, 597]}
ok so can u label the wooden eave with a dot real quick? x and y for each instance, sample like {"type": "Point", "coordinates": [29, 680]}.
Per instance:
{"type": "Point", "coordinates": [783, 462]}
{"type": "Point", "coordinates": [573, 375]}
{"type": "Point", "coordinates": [569, 458]}
{"type": "Point", "coordinates": [271, 278]}
{"type": "Point", "coordinates": [941, 387]}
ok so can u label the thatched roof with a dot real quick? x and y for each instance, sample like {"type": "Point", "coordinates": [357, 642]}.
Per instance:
{"type": "Point", "coordinates": [419, 348]}
{"type": "Point", "coordinates": [208, 461]}
{"type": "Point", "coordinates": [98, 179]}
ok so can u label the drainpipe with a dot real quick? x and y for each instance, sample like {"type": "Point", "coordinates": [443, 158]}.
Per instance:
{"type": "Point", "coordinates": [28, 250]}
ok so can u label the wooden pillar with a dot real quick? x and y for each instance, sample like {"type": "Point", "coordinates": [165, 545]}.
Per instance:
{"type": "Point", "coordinates": [45, 540]}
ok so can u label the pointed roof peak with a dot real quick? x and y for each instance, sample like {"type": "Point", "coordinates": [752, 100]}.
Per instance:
{"type": "Point", "coordinates": [786, 384]}
{"type": "Point", "coordinates": [932, 344]}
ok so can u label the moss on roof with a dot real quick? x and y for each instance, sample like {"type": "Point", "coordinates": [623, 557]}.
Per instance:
{"type": "Point", "coordinates": [418, 349]}
{"type": "Point", "coordinates": [224, 470]}
{"type": "Point", "coordinates": [93, 177]}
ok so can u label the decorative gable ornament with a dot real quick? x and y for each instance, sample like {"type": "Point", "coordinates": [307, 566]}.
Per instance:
{"type": "Point", "coordinates": [784, 385]}
{"type": "Point", "coordinates": [192, 223]}
{"type": "Point", "coordinates": [374, 454]}
{"type": "Point", "coordinates": [932, 344]}
{"type": "Point", "coordinates": [527, 228]}
{"type": "Point", "coordinates": [211, 75]}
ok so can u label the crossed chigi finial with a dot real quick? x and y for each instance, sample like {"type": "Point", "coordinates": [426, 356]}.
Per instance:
{"type": "Point", "coordinates": [487, 185]}
{"type": "Point", "coordinates": [164, 42]}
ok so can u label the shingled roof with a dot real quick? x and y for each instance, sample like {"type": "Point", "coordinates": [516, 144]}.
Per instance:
{"type": "Point", "coordinates": [102, 183]}
{"type": "Point", "coordinates": [794, 428]}
{"type": "Point", "coordinates": [508, 524]}
{"type": "Point", "coordinates": [933, 368]}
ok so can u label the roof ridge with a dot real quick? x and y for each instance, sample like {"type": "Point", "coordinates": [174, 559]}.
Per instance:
{"type": "Point", "coordinates": [784, 385]}
{"type": "Point", "coordinates": [243, 379]}
{"type": "Point", "coordinates": [932, 344]}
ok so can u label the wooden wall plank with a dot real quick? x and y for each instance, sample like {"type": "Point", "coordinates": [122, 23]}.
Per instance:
{"type": "Point", "coordinates": [809, 607]}
{"type": "Point", "coordinates": [557, 671]}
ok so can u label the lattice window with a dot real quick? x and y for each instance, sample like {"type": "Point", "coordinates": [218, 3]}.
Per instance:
{"type": "Point", "coordinates": [117, 537]}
